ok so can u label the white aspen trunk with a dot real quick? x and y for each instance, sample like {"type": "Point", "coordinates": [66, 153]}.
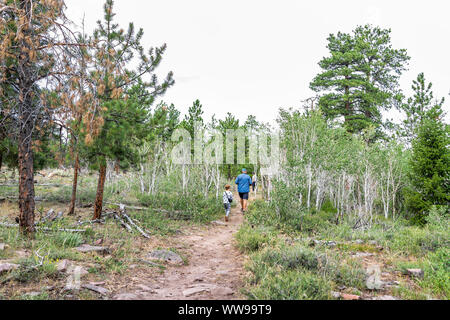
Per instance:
{"type": "Point", "coordinates": [217, 181]}
{"type": "Point", "coordinates": [183, 172]}
{"type": "Point", "coordinates": [141, 178]}
{"type": "Point", "coordinates": [309, 172]}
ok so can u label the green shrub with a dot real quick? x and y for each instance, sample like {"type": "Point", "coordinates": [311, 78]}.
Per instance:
{"type": "Point", "coordinates": [351, 274]}
{"type": "Point", "coordinates": [68, 239]}
{"type": "Point", "coordinates": [417, 241]}
{"type": "Point", "coordinates": [292, 258]}
{"type": "Point", "coordinates": [291, 285]}
{"type": "Point", "coordinates": [314, 223]}
{"type": "Point", "coordinates": [193, 207]}
{"type": "Point", "coordinates": [436, 267]}
{"type": "Point", "coordinates": [156, 222]}
{"type": "Point", "coordinates": [251, 239]}
{"type": "Point", "coordinates": [437, 273]}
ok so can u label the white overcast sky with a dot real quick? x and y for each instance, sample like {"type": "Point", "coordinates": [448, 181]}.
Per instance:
{"type": "Point", "coordinates": [255, 56]}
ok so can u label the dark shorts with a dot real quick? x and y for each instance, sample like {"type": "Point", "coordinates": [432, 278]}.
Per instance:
{"type": "Point", "coordinates": [244, 196]}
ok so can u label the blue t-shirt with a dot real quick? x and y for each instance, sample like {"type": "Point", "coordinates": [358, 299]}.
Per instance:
{"type": "Point", "coordinates": [244, 181]}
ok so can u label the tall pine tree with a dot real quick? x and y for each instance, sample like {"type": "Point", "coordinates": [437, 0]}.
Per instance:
{"type": "Point", "coordinates": [360, 77]}
{"type": "Point", "coordinates": [417, 106]}
{"type": "Point", "coordinates": [430, 165]}
{"type": "Point", "coordinates": [121, 116]}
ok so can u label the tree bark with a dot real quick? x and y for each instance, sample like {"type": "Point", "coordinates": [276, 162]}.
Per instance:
{"type": "Point", "coordinates": [26, 172]}
{"type": "Point", "coordinates": [26, 125]}
{"type": "Point", "coordinates": [1, 159]}
{"type": "Point", "coordinates": [100, 188]}
{"type": "Point", "coordinates": [75, 184]}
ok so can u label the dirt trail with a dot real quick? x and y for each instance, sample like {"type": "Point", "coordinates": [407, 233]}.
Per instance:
{"type": "Point", "coordinates": [214, 269]}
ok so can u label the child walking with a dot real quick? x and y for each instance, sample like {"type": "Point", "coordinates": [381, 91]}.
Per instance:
{"type": "Point", "coordinates": [227, 200]}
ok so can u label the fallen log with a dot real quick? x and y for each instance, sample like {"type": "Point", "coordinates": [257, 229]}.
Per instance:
{"type": "Point", "coordinates": [129, 207]}
{"type": "Point", "coordinates": [80, 223]}
{"type": "Point", "coordinates": [123, 223]}
{"type": "Point", "coordinates": [144, 208]}
{"type": "Point", "coordinates": [123, 213]}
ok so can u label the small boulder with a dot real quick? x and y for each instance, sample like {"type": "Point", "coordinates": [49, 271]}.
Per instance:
{"type": "Point", "coordinates": [6, 267]}
{"type": "Point", "coordinates": [63, 265]}
{"type": "Point", "coordinates": [166, 256]}
{"type": "Point", "coordinates": [193, 291]}
{"type": "Point", "coordinates": [416, 273]}
{"type": "Point", "coordinates": [97, 249]}
{"type": "Point", "coordinates": [97, 289]}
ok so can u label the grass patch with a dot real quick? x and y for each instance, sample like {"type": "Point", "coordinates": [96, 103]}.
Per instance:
{"type": "Point", "coordinates": [436, 267]}
{"type": "Point", "coordinates": [298, 272]}
{"type": "Point", "coordinates": [290, 285]}
{"type": "Point", "coordinates": [251, 239]}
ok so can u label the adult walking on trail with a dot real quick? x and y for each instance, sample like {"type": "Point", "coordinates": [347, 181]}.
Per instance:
{"type": "Point", "coordinates": [244, 182]}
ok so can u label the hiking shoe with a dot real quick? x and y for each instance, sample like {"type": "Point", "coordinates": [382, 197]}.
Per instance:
{"type": "Point", "coordinates": [227, 219]}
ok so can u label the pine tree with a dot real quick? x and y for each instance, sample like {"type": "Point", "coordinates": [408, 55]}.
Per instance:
{"type": "Point", "coordinates": [417, 106]}
{"type": "Point", "coordinates": [121, 116]}
{"type": "Point", "coordinates": [35, 50]}
{"type": "Point", "coordinates": [360, 77]}
{"type": "Point", "coordinates": [229, 123]}
{"type": "Point", "coordinates": [429, 166]}
{"type": "Point", "coordinates": [195, 115]}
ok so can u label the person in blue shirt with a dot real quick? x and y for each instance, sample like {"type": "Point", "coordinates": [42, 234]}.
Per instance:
{"type": "Point", "coordinates": [244, 182]}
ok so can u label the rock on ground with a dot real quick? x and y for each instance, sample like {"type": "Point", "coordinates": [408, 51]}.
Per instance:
{"type": "Point", "coordinates": [63, 265]}
{"type": "Point", "coordinates": [417, 273]}
{"type": "Point", "coordinates": [166, 256]}
{"type": "Point", "coordinates": [98, 289]}
{"type": "Point", "coordinates": [6, 267]}
{"type": "Point", "coordinates": [88, 248]}
{"type": "Point", "coordinates": [193, 291]}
